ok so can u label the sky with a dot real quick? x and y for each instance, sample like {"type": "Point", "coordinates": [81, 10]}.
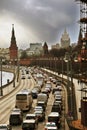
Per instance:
{"type": "Point", "coordinates": [38, 21]}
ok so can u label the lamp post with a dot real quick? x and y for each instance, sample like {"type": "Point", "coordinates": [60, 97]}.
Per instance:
{"type": "Point", "coordinates": [18, 69]}
{"type": "Point", "coordinates": [69, 84]}
{"type": "Point", "coordinates": [1, 76]}
{"type": "Point", "coordinates": [1, 59]}
{"type": "Point", "coordinates": [62, 67]}
{"type": "Point", "coordinates": [14, 71]}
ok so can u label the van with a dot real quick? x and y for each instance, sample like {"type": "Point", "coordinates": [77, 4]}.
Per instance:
{"type": "Point", "coordinates": [42, 98]}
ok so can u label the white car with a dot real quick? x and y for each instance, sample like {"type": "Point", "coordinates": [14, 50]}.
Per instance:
{"type": "Point", "coordinates": [50, 125]}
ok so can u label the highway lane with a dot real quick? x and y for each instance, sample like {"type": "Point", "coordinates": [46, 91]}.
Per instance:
{"type": "Point", "coordinates": [8, 102]}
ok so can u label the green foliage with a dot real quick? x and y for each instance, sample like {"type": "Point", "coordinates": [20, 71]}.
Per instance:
{"type": "Point", "coordinates": [24, 55]}
{"type": "Point", "coordinates": [58, 52]}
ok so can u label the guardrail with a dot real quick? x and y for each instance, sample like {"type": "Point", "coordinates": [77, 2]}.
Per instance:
{"type": "Point", "coordinates": [70, 116]}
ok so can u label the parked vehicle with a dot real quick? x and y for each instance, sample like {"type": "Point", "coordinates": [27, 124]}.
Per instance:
{"type": "Point", "coordinates": [24, 100]}
{"type": "Point", "coordinates": [29, 125]}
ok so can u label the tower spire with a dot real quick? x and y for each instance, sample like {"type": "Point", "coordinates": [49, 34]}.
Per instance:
{"type": "Point", "coordinates": [13, 39]}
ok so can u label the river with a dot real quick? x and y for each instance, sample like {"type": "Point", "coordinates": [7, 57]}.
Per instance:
{"type": "Point", "coordinates": [6, 76]}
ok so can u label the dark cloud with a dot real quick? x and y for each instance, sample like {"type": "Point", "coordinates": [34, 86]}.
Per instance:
{"type": "Point", "coordinates": [46, 18]}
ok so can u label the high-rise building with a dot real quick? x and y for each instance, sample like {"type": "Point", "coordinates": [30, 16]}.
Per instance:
{"type": "Point", "coordinates": [65, 40]}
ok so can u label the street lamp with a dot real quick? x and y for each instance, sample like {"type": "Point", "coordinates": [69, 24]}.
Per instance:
{"type": "Point", "coordinates": [1, 60]}
{"type": "Point", "coordinates": [69, 84]}
{"type": "Point", "coordinates": [1, 76]}
{"type": "Point", "coordinates": [18, 69]}
{"type": "Point", "coordinates": [14, 72]}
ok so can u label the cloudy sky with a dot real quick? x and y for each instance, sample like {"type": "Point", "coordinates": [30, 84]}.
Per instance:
{"type": "Point", "coordinates": [38, 21]}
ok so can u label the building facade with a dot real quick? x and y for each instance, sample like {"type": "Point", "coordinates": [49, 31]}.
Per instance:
{"type": "Point", "coordinates": [35, 49]}
{"type": "Point", "coordinates": [65, 40]}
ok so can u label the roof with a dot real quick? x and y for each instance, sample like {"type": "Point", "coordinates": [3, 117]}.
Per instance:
{"type": "Point", "coordinates": [56, 114]}
{"type": "Point", "coordinates": [1, 125]}
{"type": "Point", "coordinates": [30, 114]}
{"type": "Point", "coordinates": [51, 128]}
{"type": "Point", "coordinates": [29, 121]}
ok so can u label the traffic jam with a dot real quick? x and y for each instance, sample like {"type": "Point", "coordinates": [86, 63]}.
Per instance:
{"type": "Point", "coordinates": [40, 107]}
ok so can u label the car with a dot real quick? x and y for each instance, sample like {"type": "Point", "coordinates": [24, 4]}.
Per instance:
{"type": "Point", "coordinates": [29, 77]}
{"type": "Point", "coordinates": [54, 117]}
{"type": "Point", "coordinates": [15, 118]}
{"type": "Point", "coordinates": [42, 104]}
{"type": "Point", "coordinates": [32, 116]}
{"type": "Point", "coordinates": [50, 124]}
{"type": "Point", "coordinates": [56, 108]}
{"type": "Point", "coordinates": [52, 128]}
{"type": "Point", "coordinates": [56, 89]}
{"type": "Point", "coordinates": [34, 93]}
{"type": "Point", "coordinates": [29, 124]}
{"type": "Point", "coordinates": [45, 92]}
{"type": "Point", "coordinates": [40, 115]}
{"type": "Point", "coordinates": [17, 110]}
{"type": "Point", "coordinates": [38, 108]}
{"type": "Point", "coordinates": [58, 98]}
{"type": "Point", "coordinates": [5, 127]}
{"type": "Point", "coordinates": [23, 77]}
{"type": "Point", "coordinates": [57, 93]}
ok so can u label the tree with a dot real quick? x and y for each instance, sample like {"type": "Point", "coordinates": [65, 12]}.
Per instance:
{"type": "Point", "coordinates": [24, 55]}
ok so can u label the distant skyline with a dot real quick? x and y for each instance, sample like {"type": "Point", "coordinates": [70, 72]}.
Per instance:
{"type": "Point", "coordinates": [38, 21]}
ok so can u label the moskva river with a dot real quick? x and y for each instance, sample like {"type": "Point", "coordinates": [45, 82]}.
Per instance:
{"type": "Point", "coordinates": [5, 77]}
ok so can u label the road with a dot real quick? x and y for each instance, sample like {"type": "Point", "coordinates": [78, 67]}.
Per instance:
{"type": "Point", "coordinates": [8, 103]}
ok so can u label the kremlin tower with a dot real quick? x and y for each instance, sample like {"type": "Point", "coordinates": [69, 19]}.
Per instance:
{"type": "Point", "coordinates": [13, 49]}
{"type": "Point", "coordinates": [45, 49]}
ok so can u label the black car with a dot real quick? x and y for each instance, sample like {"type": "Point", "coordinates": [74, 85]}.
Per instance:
{"type": "Point", "coordinates": [29, 124]}
{"type": "Point", "coordinates": [40, 115]}
{"type": "Point", "coordinates": [34, 93]}
{"type": "Point", "coordinates": [56, 108]}
{"type": "Point", "coordinates": [15, 118]}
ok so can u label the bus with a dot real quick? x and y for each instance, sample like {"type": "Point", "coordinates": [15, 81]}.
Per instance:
{"type": "Point", "coordinates": [24, 100]}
